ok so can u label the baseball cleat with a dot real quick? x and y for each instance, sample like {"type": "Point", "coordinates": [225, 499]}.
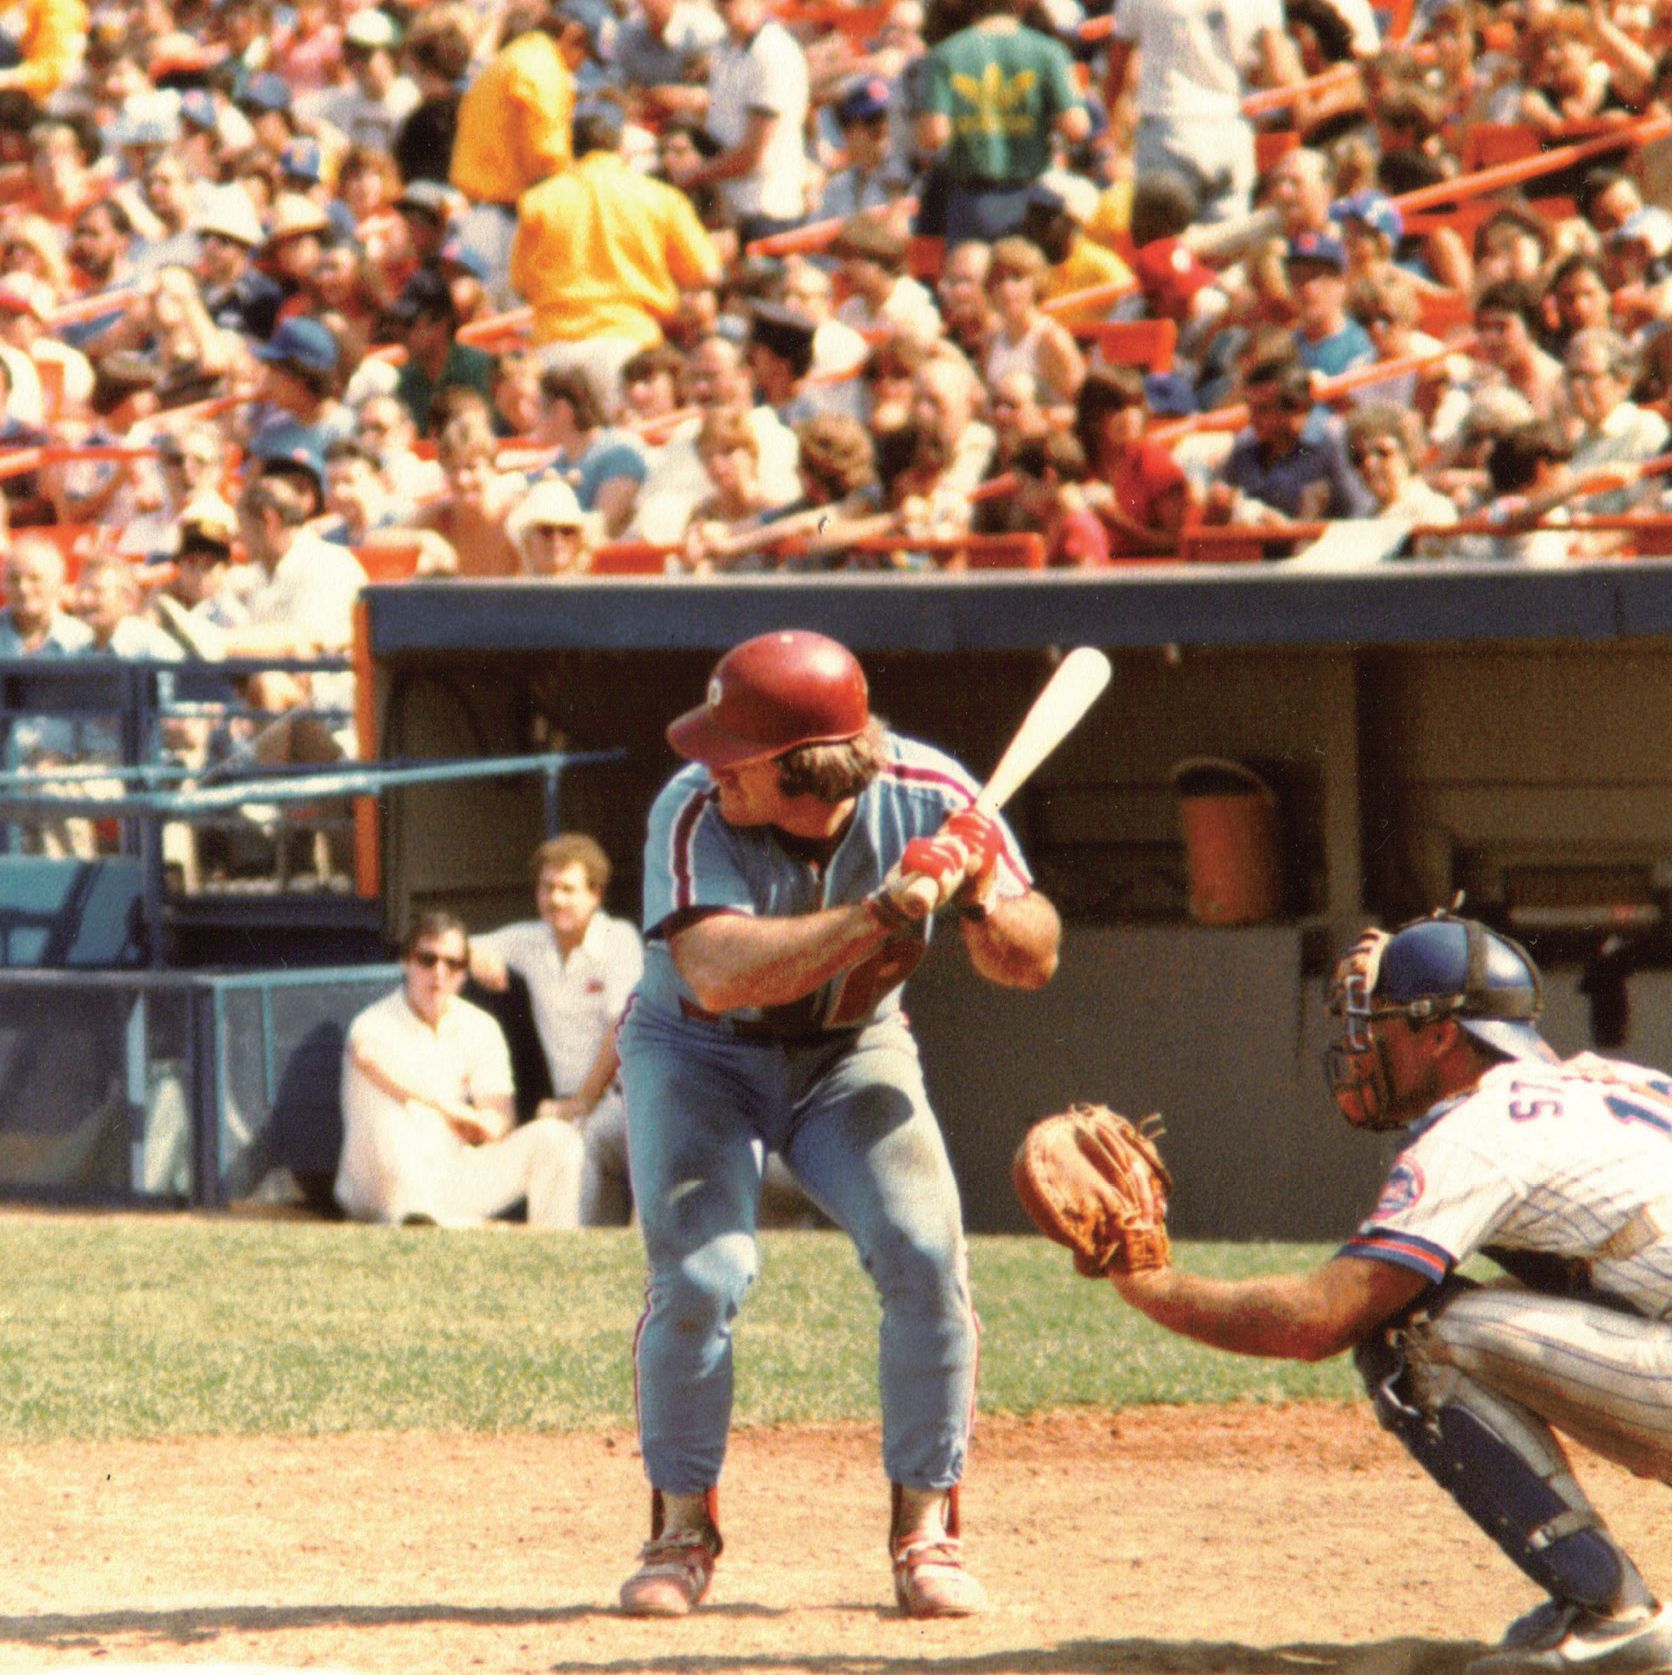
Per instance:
{"type": "Point", "coordinates": [673, 1576]}
{"type": "Point", "coordinates": [930, 1579]}
{"type": "Point", "coordinates": [1559, 1637]}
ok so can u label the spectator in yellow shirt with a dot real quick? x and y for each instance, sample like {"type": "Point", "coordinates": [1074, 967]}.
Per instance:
{"type": "Point", "coordinates": [602, 253]}
{"type": "Point", "coordinates": [1058, 208]}
{"type": "Point", "coordinates": [47, 40]}
{"type": "Point", "coordinates": [513, 128]}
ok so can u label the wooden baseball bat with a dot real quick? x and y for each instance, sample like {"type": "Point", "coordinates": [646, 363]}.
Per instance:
{"type": "Point", "coordinates": [1075, 685]}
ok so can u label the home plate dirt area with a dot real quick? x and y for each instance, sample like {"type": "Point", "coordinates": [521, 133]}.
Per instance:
{"type": "Point", "coordinates": [1249, 1540]}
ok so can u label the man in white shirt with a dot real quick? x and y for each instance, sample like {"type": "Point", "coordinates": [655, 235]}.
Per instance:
{"type": "Point", "coordinates": [1196, 59]}
{"type": "Point", "coordinates": [303, 606]}
{"type": "Point", "coordinates": [758, 91]}
{"type": "Point", "coordinates": [427, 1105]}
{"type": "Point", "coordinates": [580, 965]}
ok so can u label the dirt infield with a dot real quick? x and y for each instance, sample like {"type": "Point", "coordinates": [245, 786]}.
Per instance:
{"type": "Point", "coordinates": [1254, 1541]}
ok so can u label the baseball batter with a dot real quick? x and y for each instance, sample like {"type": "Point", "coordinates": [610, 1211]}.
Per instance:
{"type": "Point", "coordinates": [791, 875]}
{"type": "Point", "coordinates": [1561, 1171]}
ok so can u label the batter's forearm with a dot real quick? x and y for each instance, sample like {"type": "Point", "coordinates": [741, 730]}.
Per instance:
{"type": "Point", "coordinates": [732, 960]}
{"type": "Point", "coordinates": [1017, 943]}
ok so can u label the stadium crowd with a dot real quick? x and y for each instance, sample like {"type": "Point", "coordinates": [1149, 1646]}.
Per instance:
{"type": "Point", "coordinates": [294, 294]}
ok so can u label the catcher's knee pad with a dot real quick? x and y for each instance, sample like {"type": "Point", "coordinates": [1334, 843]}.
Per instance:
{"type": "Point", "coordinates": [1503, 1468]}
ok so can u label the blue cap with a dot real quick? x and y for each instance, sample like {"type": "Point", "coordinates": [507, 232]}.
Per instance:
{"type": "Point", "coordinates": [266, 92]}
{"type": "Point", "coordinates": [197, 106]}
{"type": "Point", "coordinates": [1375, 210]}
{"type": "Point", "coordinates": [1449, 967]}
{"type": "Point", "coordinates": [605, 116]}
{"type": "Point", "coordinates": [1319, 249]}
{"type": "Point", "coordinates": [866, 101]}
{"type": "Point", "coordinates": [301, 343]}
{"type": "Point", "coordinates": [303, 159]}
{"type": "Point", "coordinates": [290, 446]}
{"type": "Point", "coordinates": [596, 18]}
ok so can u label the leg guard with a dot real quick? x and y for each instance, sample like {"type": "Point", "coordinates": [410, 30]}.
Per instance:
{"type": "Point", "coordinates": [1501, 1464]}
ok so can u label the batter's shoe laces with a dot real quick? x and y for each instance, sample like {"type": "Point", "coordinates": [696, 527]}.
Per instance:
{"type": "Point", "coordinates": [930, 1579]}
{"type": "Point", "coordinates": [673, 1575]}
{"type": "Point", "coordinates": [1563, 1638]}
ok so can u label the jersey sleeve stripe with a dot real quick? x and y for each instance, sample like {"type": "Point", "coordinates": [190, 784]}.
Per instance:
{"type": "Point", "coordinates": [1404, 1250]}
{"type": "Point", "coordinates": [912, 774]}
{"type": "Point", "coordinates": [682, 841]}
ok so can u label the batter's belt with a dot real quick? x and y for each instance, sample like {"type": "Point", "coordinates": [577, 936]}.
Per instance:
{"type": "Point", "coordinates": [783, 1032]}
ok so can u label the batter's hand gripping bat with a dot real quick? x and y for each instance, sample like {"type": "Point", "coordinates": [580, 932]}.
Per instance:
{"type": "Point", "coordinates": [1075, 685]}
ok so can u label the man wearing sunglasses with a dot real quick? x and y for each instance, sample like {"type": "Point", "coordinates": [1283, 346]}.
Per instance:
{"type": "Point", "coordinates": [427, 1106]}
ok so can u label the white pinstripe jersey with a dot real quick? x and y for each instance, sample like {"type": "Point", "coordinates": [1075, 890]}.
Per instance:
{"type": "Point", "coordinates": [1570, 1161]}
{"type": "Point", "coordinates": [694, 860]}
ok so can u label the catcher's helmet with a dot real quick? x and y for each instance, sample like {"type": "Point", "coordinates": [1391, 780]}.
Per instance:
{"type": "Point", "coordinates": [771, 694]}
{"type": "Point", "coordinates": [1433, 968]}
{"type": "Point", "coordinates": [1443, 967]}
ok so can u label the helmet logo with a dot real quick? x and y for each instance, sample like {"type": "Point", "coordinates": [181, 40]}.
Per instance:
{"type": "Point", "coordinates": [716, 693]}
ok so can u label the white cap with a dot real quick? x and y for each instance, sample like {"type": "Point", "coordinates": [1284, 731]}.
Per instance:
{"type": "Point", "coordinates": [227, 210]}
{"type": "Point", "coordinates": [550, 501]}
{"type": "Point", "coordinates": [1651, 226]}
{"type": "Point", "coordinates": [371, 28]}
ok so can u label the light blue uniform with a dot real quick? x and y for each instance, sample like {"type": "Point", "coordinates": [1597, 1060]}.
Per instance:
{"type": "Point", "coordinates": [831, 1082]}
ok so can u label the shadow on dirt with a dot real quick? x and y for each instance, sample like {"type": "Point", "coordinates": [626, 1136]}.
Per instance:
{"type": "Point", "coordinates": [196, 1627]}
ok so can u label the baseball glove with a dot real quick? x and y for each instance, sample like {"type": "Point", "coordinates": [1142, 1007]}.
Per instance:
{"type": "Point", "coordinates": [1095, 1182]}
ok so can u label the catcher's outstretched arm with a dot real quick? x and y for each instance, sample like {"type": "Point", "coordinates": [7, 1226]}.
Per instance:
{"type": "Point", "coordinates": [1291, 1317]}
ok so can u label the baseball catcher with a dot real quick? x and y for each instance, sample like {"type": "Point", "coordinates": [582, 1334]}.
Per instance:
{"type": "Point", "coordinates": [1558, 1170]}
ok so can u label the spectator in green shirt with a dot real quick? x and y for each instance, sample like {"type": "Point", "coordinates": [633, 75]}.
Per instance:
{"type": "Point", "coordinates": [994, 95]}
{"type": "Point", "coordinates": [423, 320]}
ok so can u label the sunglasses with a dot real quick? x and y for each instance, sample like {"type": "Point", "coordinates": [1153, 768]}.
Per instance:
{"type": "Point", "coordinates": [427, 959]}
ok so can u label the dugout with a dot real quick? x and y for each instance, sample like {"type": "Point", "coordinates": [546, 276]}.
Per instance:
{"type": "Point", "coordinates": [1425, 728]}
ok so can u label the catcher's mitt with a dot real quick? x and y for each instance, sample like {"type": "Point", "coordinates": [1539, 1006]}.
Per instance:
{"type": "Point", "coordinates": [1095, 1182]}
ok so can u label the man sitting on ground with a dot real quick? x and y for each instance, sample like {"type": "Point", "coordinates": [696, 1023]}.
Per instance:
{"type": "Point", "coordinates": [427, 1105]}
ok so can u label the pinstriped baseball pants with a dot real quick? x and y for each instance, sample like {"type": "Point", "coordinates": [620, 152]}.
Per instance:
{"type": "Point", "coordinates": [1600, 1375]}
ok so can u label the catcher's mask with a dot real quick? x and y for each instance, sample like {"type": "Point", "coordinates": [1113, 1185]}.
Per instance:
{"type": "Point", "coordinates": [1433, 968]}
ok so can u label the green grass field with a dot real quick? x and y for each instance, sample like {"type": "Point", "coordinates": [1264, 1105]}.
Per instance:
{"type": "Point", "coordinates": [130, 1327]}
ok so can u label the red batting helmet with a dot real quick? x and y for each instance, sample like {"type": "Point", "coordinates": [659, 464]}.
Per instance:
{"type": "Point", "coordinates": [771, 694]}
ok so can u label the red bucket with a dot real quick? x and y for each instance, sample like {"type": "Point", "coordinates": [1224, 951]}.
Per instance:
{"type": "Point", "coordinates": [1228, 815]}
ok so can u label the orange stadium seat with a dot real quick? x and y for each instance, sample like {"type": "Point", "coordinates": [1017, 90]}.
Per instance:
{"type": "Point", "coordinates": [1146, 343]}
{"type": "Point", "coordinates": [388, 564]}
{"type": "Point", "coordinates": [1270, 144]}
{"type": "Point", "coordinates": [630, 558]}
{"type": "Point", "coordinates": [1487, 143]}
{"type": "Point", "coordinates": [1440, 312]}
{"type": "Point", "coordinates": [1024, 551]}
{"type": "Point", "coordinates": [1244, 543]}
